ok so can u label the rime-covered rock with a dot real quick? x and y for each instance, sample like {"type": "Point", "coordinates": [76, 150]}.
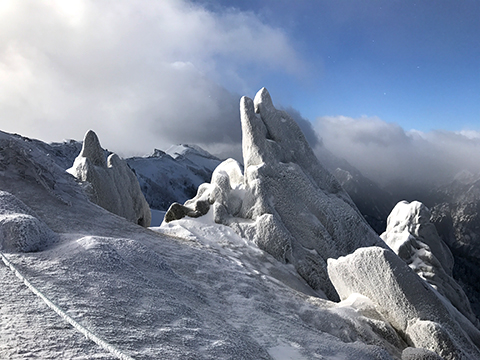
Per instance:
{"type": "Point", "coordinates": [20, 229]}
{"type": "Point", "coordinates": [406, 301]}
{"type": "Point", "coordinates": [283, 199]}
{"type": "Point", "coordinates": [415, 240]}
{"type": "Point", "coordinates": [111, 183]}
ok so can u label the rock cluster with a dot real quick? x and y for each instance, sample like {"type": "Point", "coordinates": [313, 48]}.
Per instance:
{"type": "Point", "coordinates": [283, 199]}
{"type": "Point", "coordinates": [406, 301]}
{"type": "Point", "coordinates": [111, 183]}
{"type": "Point", "coordinates": [415, 240]}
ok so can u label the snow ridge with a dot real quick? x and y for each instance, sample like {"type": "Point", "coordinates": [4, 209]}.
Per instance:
{"type": "Point", "coordinates": [88, 334]}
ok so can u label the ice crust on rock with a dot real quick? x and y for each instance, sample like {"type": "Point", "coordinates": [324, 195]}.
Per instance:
{"type": "Point", "coordinates": [20, 229]}
{"type": "Point", "coordinates": [284, 200]}
{"type": "Point", "coordinates": [415, 240]}
{"type": "Point", "coordinates": [111, 183]}
{"type": "Point", "coordinates": [406, 301]}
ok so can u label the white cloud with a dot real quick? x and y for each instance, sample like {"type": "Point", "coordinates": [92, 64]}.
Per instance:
{"type": "Point", "coordinates": [142, 74]}
{"type": "Point", "coordinates": [385, 152]}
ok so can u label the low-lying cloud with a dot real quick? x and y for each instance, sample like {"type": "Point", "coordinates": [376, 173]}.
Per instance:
{"type": "Point", "coordinates": [141, 74]}
{"type": "Point", "coordinates": [385, 152]}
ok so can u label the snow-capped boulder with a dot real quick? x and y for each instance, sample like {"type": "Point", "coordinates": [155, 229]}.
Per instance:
{"type": "Point", "coordinates": [284, 200]}
{"type": "Point", "coordinates": [415, 240]}
{"type": "Point", "coordinates": [111, 183]}
{"type": "Point", "coordinates": [406, 301]}
{"type": "Point", "coordinates": [20, 229]}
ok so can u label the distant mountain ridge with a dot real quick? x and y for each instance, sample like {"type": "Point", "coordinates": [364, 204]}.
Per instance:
{"type": "Point", "coordinates": [173, 175]}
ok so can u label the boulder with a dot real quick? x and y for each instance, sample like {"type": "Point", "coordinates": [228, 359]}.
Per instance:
{"type": "Point", "coordinates": [283, 199]}
{"type": "Point", "coordinates": [20, 229]}
{"type": "Point", "coordinates": [415, 240]}
{"type": "Point", "coordinates": [111, 184]}
{"type": "Point", "coordinates": [406, 301]}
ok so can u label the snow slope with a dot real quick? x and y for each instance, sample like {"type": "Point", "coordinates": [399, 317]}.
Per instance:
{"type": "Point", "coordinates": [200, 293]}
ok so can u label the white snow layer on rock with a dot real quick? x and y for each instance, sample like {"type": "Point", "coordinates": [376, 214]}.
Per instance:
{"type": "Point", "coordinates": [406, 301]}
{"type": "Point", "coordinates": [20, 229]}
{"type": "Point", "coordinates": [112, 184]}
{"type": "Point", "coordinates": [415, 240]}
{"type": "Point", "coordinates": [284, 200]}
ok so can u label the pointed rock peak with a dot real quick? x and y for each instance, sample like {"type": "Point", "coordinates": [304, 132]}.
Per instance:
{"type": "Point", "coordinates": [292, 205]}
{"type": "Point", "coordinates": [92, 150]}
{"type": "Point", "coordinates": [263, 101]}
{"type": "Point", "coordinates": [246, 104]}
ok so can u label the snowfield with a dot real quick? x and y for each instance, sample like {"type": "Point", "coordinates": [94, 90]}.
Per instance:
{"type": "Point", "coordinates": [250, 268]}
{"type": "Point", "coordinates": [190, 290]}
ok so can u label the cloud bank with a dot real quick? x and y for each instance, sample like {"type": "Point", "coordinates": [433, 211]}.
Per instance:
{"type": "Point", "coordinates": [141, 74]}
{"type": "Point", "coordinates": [385, 152]}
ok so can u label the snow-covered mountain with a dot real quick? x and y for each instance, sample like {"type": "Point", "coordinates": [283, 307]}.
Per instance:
{"type": "Point", "coordinates": [277, 262]}
{"type": "Point", "coordinates": [174, 175]}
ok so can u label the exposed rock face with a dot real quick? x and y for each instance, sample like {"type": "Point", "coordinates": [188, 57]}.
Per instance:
{"type": "Point", "coordinates": [112, 184]}
{"type": "Point", "coordinates": [20, 229]}
{"type": "Point", "coordinates": [415, 239]}
{"type": "Point", "coordinates": [411, 306]}
{"type": "Point", "coordinates": [284, 200]}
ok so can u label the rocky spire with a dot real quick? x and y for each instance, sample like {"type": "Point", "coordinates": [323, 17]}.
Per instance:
{"type": "Point", "coordinates": [296, 210]}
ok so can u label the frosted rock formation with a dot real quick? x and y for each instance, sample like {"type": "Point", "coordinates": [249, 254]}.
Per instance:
{"type": "Point", "coordinates": [411, 306]}
{"type": "Point", "coordinates": [20, 229]}
{"type": "Point", "coordinates": [284, 200]}
{"type": "Point", "coordinates": [112, 184]}
{"type": "Point", "coordinates": [415, 239]}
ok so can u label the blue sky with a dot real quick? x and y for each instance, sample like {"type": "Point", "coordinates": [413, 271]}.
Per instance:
{"type": "Point", "coordinates": [415, 63]}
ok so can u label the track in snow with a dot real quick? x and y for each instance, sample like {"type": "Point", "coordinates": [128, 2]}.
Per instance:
{"type": "Point", "coordinates": [63, 338]}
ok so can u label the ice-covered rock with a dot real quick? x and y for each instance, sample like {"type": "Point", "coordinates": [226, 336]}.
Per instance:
{"type": "Point", "coordinates": [20, 229]}
{"type": "Point", "coordinates": [406, 301]}
{"type": "Point", "coordinates": [111, 183]}
{"type": "Point", "coordinates": [284, 200]}
{"type": "Point", "coordinates": [415, 239]}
